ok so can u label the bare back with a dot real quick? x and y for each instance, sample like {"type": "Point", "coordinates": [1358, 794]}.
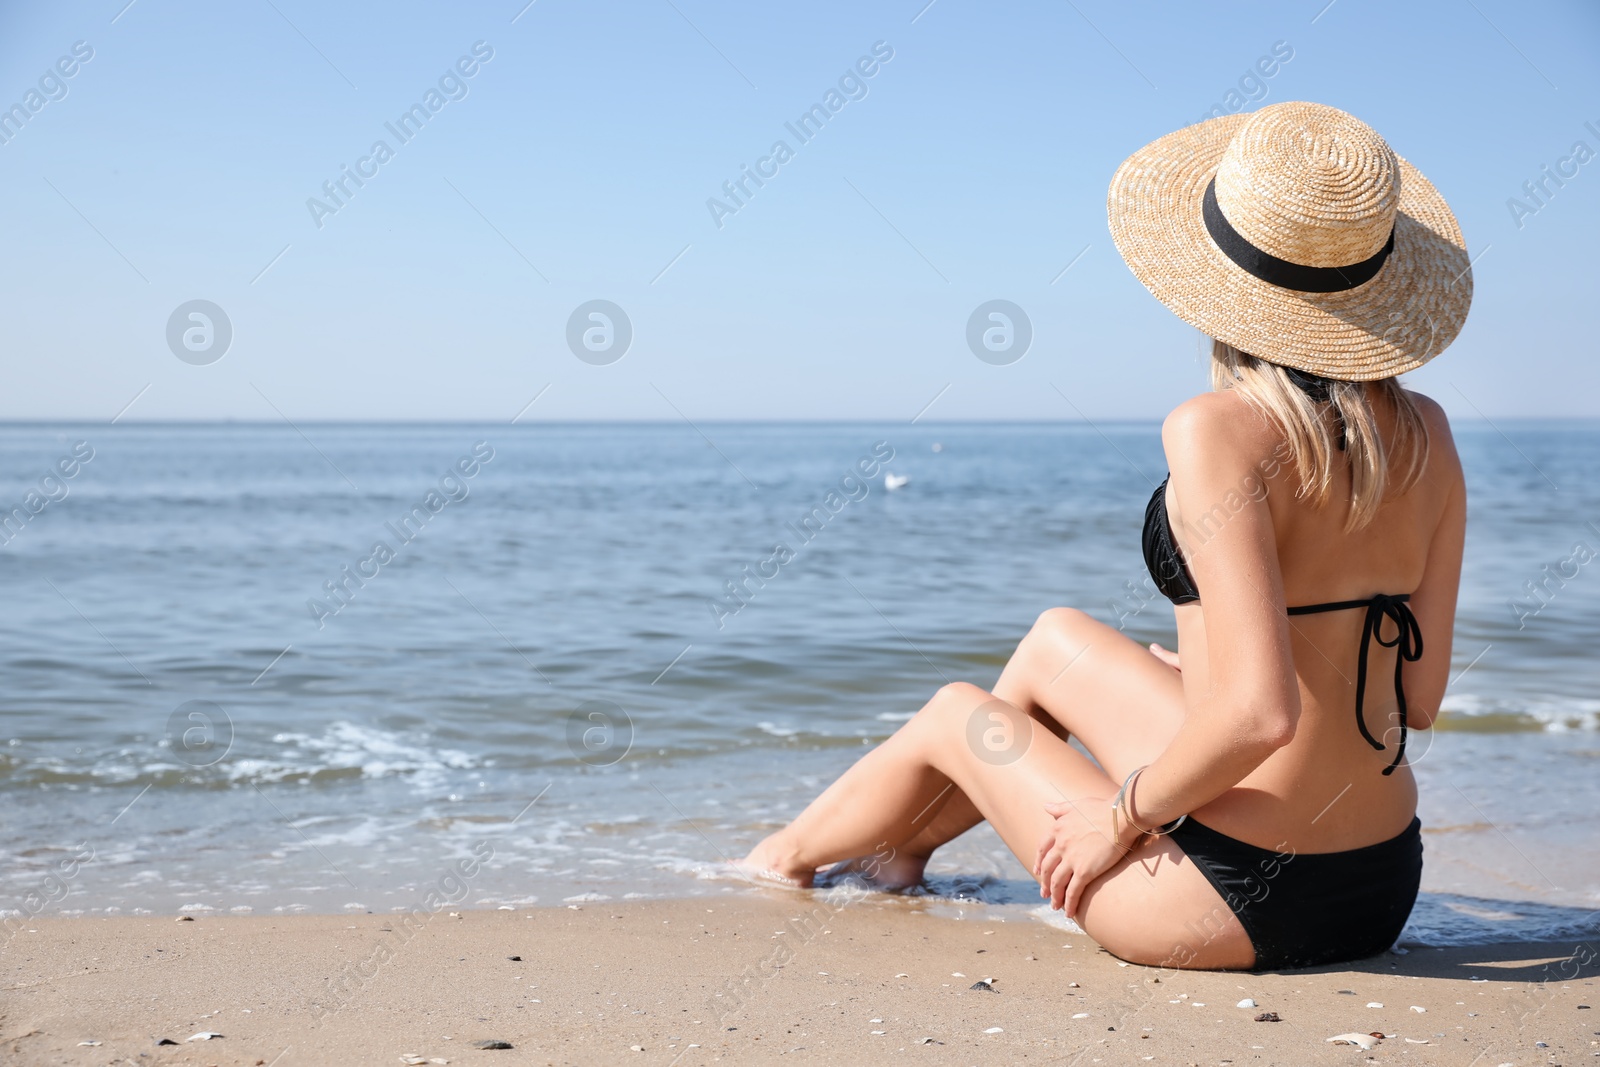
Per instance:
{"type": "Point", "coordinates": [1325, 791]}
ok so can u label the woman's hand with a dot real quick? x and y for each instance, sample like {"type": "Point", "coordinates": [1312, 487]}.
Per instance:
{"type": "Point", "coordinates": [1078, 849]}
{"type": "Point", "coordinates": [1165, 656]}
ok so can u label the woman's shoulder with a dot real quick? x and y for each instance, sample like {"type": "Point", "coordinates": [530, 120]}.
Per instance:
{"type": "Point", "coordinates": [1442, 455]}
{"type": "Point", "coordinates": [1219, 426]}
{"type": "Point", "coordinates": [1432, 413]}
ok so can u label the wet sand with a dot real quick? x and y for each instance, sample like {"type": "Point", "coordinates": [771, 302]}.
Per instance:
{"type": "Point", "coordinates": [751, 978]}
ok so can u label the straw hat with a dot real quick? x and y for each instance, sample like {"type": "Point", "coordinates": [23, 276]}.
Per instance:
{"type": "Point", "coordinates": [1297, 235]}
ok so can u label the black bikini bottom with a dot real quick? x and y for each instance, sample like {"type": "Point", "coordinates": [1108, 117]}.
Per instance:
{"type": "Point", "coordinates": [1312, 909]}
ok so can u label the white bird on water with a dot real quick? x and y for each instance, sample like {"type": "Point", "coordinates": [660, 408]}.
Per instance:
{"type": "Point", "coordinates": [892, 482]}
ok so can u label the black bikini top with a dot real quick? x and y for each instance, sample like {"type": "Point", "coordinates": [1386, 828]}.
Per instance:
{"type": "Point", "coordinates": [1173, 580]}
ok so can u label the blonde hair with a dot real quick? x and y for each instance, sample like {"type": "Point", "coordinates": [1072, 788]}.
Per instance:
{"type": "Point", "coordinates": [1309, 428]}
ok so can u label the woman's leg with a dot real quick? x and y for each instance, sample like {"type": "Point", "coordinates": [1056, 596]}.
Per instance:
{"type": "Point", "coordinates": [1097, 684]}
{"type": "Point", "coordinates": [1153, 907]}
{"type": "Point", "coordinates": [1078, 677]}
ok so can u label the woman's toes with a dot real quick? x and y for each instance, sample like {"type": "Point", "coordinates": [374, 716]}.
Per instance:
{"type": "Point", "coordinates": [757, 873]}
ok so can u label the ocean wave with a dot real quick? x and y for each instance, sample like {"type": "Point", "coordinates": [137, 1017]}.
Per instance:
{"type": "Point", "coordinates": [1479, 713]}
{"type": "Point", "coordinates": [342, 750]}
{"type": "Point", "coordinates": [348, 746]}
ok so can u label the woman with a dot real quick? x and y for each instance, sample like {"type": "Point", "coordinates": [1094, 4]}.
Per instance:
{"type": "Point", "coordinates": [1309, 535]}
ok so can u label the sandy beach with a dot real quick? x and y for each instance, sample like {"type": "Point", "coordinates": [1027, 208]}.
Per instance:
{"type": "Point", "coordinates": [758, 977]}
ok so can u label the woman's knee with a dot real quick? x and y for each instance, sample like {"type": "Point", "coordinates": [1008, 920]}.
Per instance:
{"type": "Point", "coordinates": [956, 700]}
{"type": "Point", "coordinates": [1062, 627]}
{"type": "Point", "coordinates": [963, 718]}
{"type": "Point", "coordinates": [1058, 637]}
{"type": "Point", "coordinates": [952, 705]}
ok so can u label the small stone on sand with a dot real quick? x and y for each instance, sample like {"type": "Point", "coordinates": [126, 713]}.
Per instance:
{"type": "Point", "coordinates": [492, 1044]}
{"type": "Point", "coordinates": [1268, 1017]}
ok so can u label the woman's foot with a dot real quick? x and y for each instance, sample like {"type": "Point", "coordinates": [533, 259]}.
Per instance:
{"type": "Point", "coordinates": [771, 861]}
{"type": "Point", "coordinates": [889, 871]}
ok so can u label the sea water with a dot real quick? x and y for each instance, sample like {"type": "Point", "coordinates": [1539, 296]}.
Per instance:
{"type": "Point", "coordinates": [267, 668]}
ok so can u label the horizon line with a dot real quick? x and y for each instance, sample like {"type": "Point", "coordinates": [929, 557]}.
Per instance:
{"type": "Point", "coordinates": [668, 421]}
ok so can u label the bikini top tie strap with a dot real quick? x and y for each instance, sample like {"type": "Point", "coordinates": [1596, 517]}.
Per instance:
{"type": "Point", "coordinates": [1407, 642]}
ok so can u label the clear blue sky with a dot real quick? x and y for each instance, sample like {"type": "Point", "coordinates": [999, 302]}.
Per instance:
{"type": "Point", "coordinates": [179, 162]}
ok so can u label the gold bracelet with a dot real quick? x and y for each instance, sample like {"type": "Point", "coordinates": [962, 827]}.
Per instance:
{"type": "Point", "coordinates": [1123, 801]}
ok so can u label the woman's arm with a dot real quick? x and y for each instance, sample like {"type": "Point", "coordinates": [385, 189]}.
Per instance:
{"type": "Point", "coordinates": [1216, 450]}
{"type": "Point", "coordinates": [1434, 601]}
